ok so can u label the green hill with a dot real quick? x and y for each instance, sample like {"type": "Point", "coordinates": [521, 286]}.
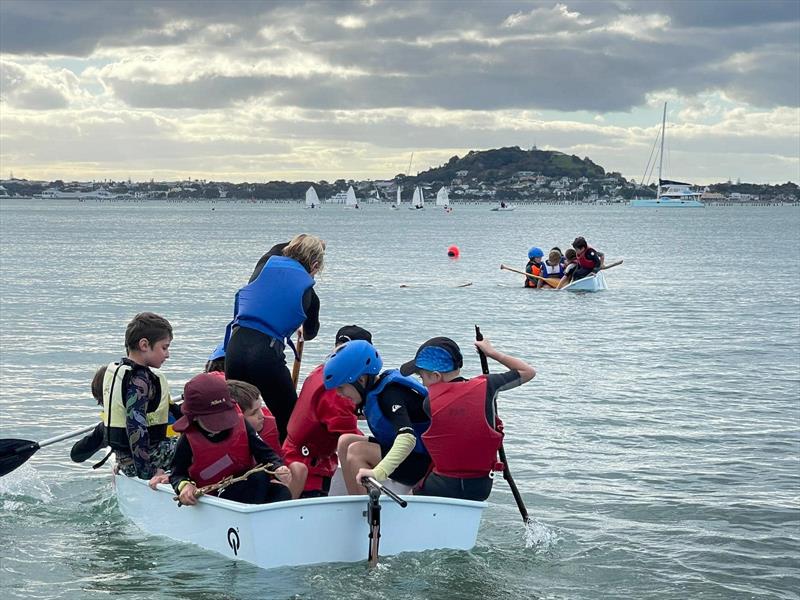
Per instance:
{"type": "Point", "coordinates": [492, 166]}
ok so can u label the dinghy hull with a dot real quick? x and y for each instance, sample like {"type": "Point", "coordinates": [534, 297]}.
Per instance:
{"type": "Point", "coordinates": [593, 283]}
{"type": "Point", "coordinates": [300, 532]}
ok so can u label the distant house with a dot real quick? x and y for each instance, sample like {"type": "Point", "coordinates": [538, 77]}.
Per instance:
{"type": "Point", "coordinates": [712, 197]}
{"type": "Point", "coordinates": [462, 173]}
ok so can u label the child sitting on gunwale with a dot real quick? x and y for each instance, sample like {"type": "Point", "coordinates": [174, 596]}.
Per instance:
{"type": "Point", "coordinates": [216, 443]}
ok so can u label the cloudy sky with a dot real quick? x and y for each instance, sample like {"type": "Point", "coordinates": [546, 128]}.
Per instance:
{"type": "Point", "coordinates": [255, 91]}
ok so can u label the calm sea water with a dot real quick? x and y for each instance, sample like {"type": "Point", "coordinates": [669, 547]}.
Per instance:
{"type": "Point", "coordinates": [658, 447]}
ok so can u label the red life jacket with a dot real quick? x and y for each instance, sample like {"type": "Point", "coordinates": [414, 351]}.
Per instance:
{"type": "Point", "coordinates": [269, 432]}
{"type": "Point", "coordinates": [584, 262]}
{"type": "Point", "coordinates": [307, 438]}
{"type": "Point", "coordinates": [213, 461]}
{"type": "Point", "coordinates": [460, 441]}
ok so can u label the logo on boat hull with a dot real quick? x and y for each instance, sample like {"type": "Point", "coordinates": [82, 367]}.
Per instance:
{"type": "Point", "coordinates": [233, 540]}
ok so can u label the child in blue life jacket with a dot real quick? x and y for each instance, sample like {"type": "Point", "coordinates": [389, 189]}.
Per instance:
{"type": "Point", "coordinates": [218, 442]}
{"type": "Point", "coordinates": [551, 269]}
{"type": "Point", "coordinates": [393, 408]}
{"type": "Point", "coordinates": [465, 433]}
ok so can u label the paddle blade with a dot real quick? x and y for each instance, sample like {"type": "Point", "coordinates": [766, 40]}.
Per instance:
{"type": "Point", "coordinates": [13, 453]}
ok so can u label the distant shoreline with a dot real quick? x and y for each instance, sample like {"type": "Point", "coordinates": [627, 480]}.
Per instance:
{"type": "Point", "coordinates": [367, 205]}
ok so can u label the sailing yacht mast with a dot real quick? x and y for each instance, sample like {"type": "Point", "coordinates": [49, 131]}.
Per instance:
{"type": "Point", "coordinates": [661, 154]}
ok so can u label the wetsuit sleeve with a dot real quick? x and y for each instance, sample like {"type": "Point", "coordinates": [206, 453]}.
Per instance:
{"type": "Point", "coordinates": [394, 405]}
{"type": "Point", "coordinates": [311, 308]}
{"type": "Point", "coordinates": [337, 413]}
{"type": "Point", "coordinates": [136, 396]}
{"type": "Point", "coordinates": [276, 250]}
{"type": "Point", "coordinates": [260, 450]}
{"type": "Point", "coordinates": [181, 461]}
{"type": "Point", "coordinates": [403, 446]}
{"type": "Point", "coordinates": [496, 383]}
{"type": "Point", "coordinates": [84, 448]}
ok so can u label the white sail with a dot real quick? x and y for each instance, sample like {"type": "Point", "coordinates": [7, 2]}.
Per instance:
{"type": "Point", "coordinates": [399, 191]}
{"type": "Point", "coordinates": [442, 198]}
{"type": "Point", "coordinates": [418, 199]}
{"type": "Point", "coordinates": [312, 200]}
{"type": "Point", "coordinates": [351, 197]}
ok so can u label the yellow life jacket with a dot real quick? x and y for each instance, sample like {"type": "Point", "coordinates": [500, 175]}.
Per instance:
{"type": "Point", "coordinates": [114, 415]}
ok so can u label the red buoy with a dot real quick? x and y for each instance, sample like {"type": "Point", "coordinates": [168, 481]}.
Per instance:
{"type": "Point", "coordinates": [453, 252]}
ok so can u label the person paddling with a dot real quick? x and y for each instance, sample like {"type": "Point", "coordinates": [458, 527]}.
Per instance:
{"type": "Point", "coordinates": [465, 433]}
{"type": "Point", "coordinates": [216, 443]}
{"type": "Point", "coordinates": [589, 260]}
{"type": "Point", "coordinates": [320, 417]}
{"type": "Point", "coordinates": [392, 405]}
{"type": "Point", "coordinates": [278, 300]}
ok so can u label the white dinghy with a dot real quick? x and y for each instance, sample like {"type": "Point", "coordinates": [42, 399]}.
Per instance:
{"type": "Point", "coordinates": [418, 199]}
{"type": "Point", "coordinates": [303, 532]}
{"type": "Point", "coordinates": [312, 200]}
{"type": "Point", "coordinates": [592, 283]}
{"type": "Point", "coordinates": [351, 201]}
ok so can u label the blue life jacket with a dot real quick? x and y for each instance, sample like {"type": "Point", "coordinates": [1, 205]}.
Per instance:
{"type": "Point", "coordinates": [273, 302]}
{"type": "Point", "coordinates": [381, 428]}
{"type": "Point", "coordinates": [548, 271]}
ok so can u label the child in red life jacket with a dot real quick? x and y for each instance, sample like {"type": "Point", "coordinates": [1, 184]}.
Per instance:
{"type": "Point", "coordinates": [216, 443]}
{"type": "Point", "coordinates": [465, 433]}
{"type": "Point", "coordinates": [252, 406]}
{"type": "Point", "coordinates": [319, 419]}
{"type": "Point", "coordinates": [590, 261]}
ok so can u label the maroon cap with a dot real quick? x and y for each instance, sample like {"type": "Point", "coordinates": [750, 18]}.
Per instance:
{"type": "Point", "coordinates": [207, 396]}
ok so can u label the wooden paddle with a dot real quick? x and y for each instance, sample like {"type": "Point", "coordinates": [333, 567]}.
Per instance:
{"type": "Point", "coordinates": [502, 451]}
{"type": "Point", "coordinates": [14, 453]}
{"type": "Point", "coordinates": [532, 276]}
{"type": "Point", "coordinates": [614, 264]}
{"type": "Point", "coordinates": [298, 357]}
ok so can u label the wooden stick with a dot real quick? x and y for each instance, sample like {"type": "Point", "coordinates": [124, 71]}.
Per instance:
{"type": "Point", "coordinates": [298, 358]}
{"type": "Point", "coordinates": [531, 275]}
{"type": "Point", "coordinates": [228, 481]}
{"type": "Point", "coordinates": [614, 264]}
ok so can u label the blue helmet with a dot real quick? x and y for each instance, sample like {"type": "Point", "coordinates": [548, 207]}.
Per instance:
{"type": "Point", "coordinates": [535, 252]}
{"type": "Point", "coordinates": [349, 362]}
{"type": "Point", "coordinates": [219, 352]}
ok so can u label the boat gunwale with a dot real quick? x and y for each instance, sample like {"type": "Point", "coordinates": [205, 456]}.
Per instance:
{"type": "Point", "coordinates": [304, 502]}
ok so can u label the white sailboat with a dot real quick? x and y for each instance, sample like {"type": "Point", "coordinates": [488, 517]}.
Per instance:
{"type": "Point", "coordinates": [443, 197]}
{"type": "Point", "coordinates": [418, 199]}
{"type": "Point", "coordinates": [312, 200]}
{"type": "Point", "coordinates": [351, 201]}
{"type": "Point", "coordinates": [670, 194]}
{"type": "Point", "coordinates": [399, 201]}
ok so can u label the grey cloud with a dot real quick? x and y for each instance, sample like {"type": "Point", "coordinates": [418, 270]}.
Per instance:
{"type": "Point", "coordinates": [592, 69]}
{"type": "Point", "coordinates": [19, 90]}
{"type": "Point", "coordinates": [203, 93]}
